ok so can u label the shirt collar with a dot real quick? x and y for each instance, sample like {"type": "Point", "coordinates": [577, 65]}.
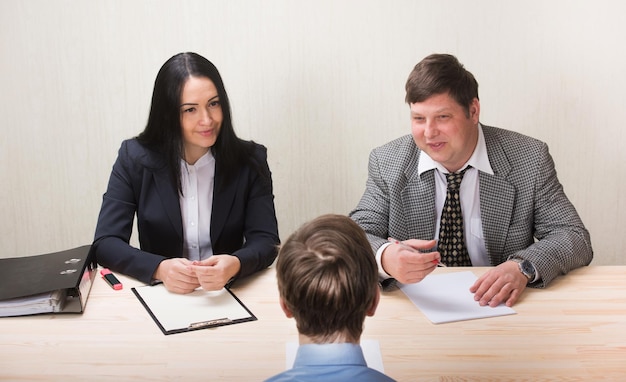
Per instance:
{"type": "Point", "coordinates": [204, 160]}
{"type": "Point", "coordinates": [479, 159]}
{"type": "Point", "coordinates": [329, 354]}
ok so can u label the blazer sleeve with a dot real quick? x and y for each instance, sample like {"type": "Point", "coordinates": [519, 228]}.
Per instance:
{"type": "Point", "coordinates": [562, 241]}
{"type": "Point", "coordinates": [380, 211]}
{"type": "Point", "coordinates": [372, 211]}
{"type": "Point", "coordinates": [115, 221]}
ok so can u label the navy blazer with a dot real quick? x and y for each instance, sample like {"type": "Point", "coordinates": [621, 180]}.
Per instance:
{"type": "Point", "coordinates": [243, 220]}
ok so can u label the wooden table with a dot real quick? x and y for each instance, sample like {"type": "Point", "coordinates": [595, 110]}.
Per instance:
{"type": "Point", "coordinates": [575, 330]}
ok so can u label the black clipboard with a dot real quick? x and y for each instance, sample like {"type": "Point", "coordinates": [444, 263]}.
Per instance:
{"type": "Point", "coordinates": [71, 271]}
{"type": "Point", "coordinates": [178, 313]}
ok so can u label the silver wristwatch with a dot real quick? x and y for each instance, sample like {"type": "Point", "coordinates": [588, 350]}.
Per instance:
{"type": "Point", "coordinates": [526, 268]}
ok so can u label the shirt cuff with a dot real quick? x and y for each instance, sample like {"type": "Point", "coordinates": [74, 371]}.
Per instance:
{"type": "Point", "coordinates": [382, 275]}
{"type": "Point", "coordinates": [537, 275]}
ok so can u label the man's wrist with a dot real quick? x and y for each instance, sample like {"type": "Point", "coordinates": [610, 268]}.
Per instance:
{"type": "Point", "coordinates": [526, 268]}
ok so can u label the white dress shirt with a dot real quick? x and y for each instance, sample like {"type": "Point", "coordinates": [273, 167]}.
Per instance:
{"type": "Point", "coordinates": [196, 203]}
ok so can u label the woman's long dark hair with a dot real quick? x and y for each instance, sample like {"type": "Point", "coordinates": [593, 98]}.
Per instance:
{"type": "Point", "coordinates": [163, 132]}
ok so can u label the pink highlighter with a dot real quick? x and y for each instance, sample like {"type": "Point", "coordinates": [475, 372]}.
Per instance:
{"type": "Point", "coordinates": [111, 279]}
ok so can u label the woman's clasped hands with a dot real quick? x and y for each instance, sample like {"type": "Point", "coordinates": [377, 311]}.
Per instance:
{"type": "Point", "coordinates": [180, 275]}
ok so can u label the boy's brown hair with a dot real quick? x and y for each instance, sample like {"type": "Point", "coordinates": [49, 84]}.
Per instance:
{"type": "Point", "coordinates": [328, 278]}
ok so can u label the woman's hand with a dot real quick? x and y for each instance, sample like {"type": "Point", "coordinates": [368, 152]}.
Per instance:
{"type": "Point", "coordinates": [177, 275]}
{"type": "Point", "coordinates": [216, 271]}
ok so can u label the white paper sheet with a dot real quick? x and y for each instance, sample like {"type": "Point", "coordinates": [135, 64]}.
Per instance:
{"type": "Point", "coordinates": [371, 352]}
{"type": "Point", "coordinates": [446, 298]}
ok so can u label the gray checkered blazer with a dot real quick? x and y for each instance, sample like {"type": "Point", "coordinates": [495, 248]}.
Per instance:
{"type": "Point", "coordinates": [524, 211]}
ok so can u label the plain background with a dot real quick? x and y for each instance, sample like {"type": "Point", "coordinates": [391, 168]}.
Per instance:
{"type": "Point", "coordinates": [320, 83]}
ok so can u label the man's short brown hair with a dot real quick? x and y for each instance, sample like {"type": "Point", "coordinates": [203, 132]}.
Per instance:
{"type": "Point", "coordinates": [438, 74]}
{"type": "Point", "coordinates": [328, 278]}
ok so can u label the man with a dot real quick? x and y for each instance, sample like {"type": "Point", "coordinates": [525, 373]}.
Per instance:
{"type": "Point", "coordinates": [328, 281]}
{"type": "Point", "coordinates": [513, 213]}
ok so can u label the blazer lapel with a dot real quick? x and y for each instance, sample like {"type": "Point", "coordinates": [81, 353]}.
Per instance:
{"type": "Point", "coordinates": [497, 198]}
{"type": "Point", "coordinates": [419, 196]}
{"type": "Point", "coordinates": [223, 197]}
{"type": "Point", "coordinates": [169, 199]}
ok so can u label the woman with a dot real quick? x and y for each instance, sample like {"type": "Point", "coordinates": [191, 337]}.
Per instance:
{"type": "Point", "coordinates": [203, 197]}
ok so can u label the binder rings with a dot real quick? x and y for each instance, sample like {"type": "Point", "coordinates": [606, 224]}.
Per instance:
{"type": "Point", "coordinates": [57, 282]}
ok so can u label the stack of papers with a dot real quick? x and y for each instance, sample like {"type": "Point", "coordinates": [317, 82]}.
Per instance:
{"type": "Point", "coordinates": [49, 302]}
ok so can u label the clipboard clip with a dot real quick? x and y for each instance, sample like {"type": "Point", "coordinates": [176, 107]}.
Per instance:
{"type": "Point", "coordinates": [209, 323]}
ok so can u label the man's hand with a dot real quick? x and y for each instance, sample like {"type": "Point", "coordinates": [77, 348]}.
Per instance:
{"type": "Point", "coordinates": [177, 275]}
{"type": "Point", "coordinates": [405, 263]}
{"type": "Point", "coordinates": [215, 272]}
{"type": "Point", "coordinates": [504, 283]}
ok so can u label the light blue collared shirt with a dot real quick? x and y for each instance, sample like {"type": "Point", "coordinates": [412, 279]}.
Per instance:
{"type": "Point", "coordinates": [330, 362]}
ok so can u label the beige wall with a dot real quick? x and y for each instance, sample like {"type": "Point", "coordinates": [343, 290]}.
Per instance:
{"type": "Point", "coordinates": [320, 83]}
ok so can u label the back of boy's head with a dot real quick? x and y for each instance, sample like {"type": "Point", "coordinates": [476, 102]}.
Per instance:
{"type": "Point", "coordinates": [328, 278]}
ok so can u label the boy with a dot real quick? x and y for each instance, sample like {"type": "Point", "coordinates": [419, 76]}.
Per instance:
{"type": "Point", "coordinates": [328, 281]}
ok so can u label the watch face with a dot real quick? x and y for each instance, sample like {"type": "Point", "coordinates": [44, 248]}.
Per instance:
{"type": "Point", "coordinates": [528, 269]}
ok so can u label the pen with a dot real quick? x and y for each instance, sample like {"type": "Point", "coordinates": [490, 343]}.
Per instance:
{"type": "Point", "coordinates": [396, 241]}
{"type": "Point", "coordinates": [111, 279]}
